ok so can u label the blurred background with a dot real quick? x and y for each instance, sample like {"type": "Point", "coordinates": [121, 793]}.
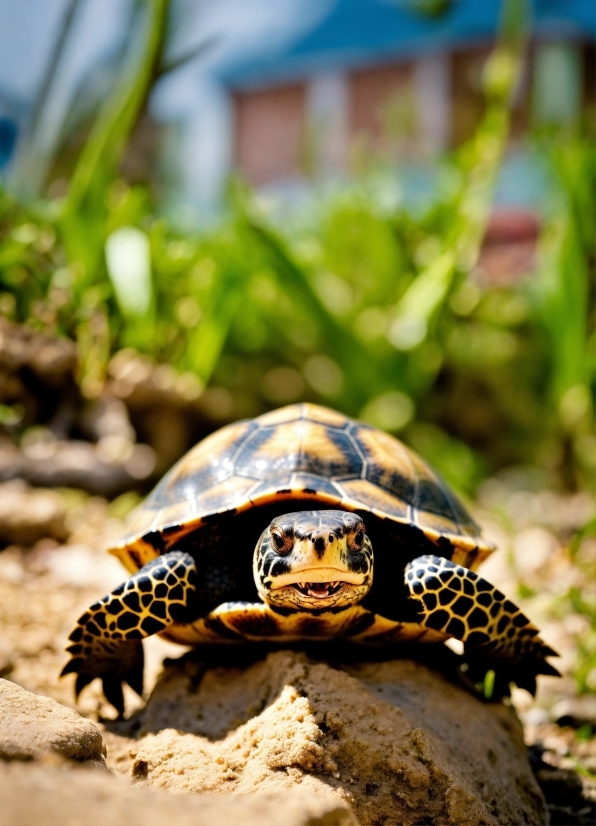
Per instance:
{"type": "Point", "coordinates": [209, 208]}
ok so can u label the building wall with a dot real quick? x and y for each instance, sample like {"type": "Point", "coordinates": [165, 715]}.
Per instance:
{"type": "Point", "coordinates": [270, 133]}
{"type": "Point", "coordinates": [381, 106]}
{"type": "Point", "coordinates": [401, 111]}
{"type": "Point", "coordinates": [319, 126]}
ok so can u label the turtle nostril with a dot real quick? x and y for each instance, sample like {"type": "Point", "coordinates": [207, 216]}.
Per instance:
{"type": "Point", "coordinates": [330, 537]}
{"type": "Point", "coordinates": [319, 544]}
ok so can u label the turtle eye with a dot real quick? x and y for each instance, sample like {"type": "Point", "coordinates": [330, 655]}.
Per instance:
{"type": "Point", "coordinates": [358, 539]}
{"type": "Point", "coordinates": [282, 544]}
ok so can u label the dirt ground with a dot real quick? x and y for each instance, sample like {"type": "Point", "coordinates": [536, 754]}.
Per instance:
{"type": "Point", "coordinates": [45, 587]}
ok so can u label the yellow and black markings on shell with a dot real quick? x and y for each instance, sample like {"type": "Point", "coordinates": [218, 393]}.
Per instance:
{"type": "Point", "coordinates": [301, 452]}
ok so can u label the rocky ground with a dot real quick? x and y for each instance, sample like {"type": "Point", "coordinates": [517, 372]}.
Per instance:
{"type": "Point", "coordinates": [311, 739]}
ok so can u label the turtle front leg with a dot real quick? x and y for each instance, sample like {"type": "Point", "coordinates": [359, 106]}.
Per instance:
{"type": "Point", "coordinates": [106, 641]}
{"type": "Point", "coordinates": [455, 600]}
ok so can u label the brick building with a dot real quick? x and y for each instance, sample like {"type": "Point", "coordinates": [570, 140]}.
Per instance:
{"type": "Point", "coordinates": [288, 92]}
{"type": "Point", "coordinates": [378, 78]}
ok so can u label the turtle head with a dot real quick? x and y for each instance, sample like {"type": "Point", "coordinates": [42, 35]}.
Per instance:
{"type": "Point", "coordinates": [314, 559]}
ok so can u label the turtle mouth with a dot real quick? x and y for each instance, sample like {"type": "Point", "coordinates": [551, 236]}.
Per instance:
{"type": "Point", "coordinates": [315, 577]}
{"type": "Point", "coordinates": [318, 590]}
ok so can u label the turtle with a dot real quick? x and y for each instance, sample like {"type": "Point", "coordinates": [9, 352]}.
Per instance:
{"type": "Point", "coordinates": [306, 493]}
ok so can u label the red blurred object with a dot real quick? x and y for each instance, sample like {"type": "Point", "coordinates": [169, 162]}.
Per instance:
{"type": "Point", "coordinates": [509, 246]}
{"type": "Point", "coordinates": [511, 225]}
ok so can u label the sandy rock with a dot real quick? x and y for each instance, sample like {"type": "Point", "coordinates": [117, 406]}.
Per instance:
{"type": "Point", "coordinates": [32, 726]}
{"type": "Point", "coordinates": [86, 798]}
{"type": "Point", "coordinates": [27, 515]}
{"type": "Point", "coordinates": [398, 742]}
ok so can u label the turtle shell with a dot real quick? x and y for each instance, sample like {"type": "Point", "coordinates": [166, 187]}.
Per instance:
{"type": "Point", "coordinates": [300, 452]}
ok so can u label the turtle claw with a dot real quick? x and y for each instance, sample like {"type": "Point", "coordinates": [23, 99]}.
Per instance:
{"type": "Point", "coordinates": [134, 678]}
{"type": "Point", "coordinates": [112, 683]}
{"type": "Point", "coordinates": [72, 666]}
{"type": "Point", "coordinates": [523, 674]}
{"type": "Point", "coordinates": [112, 689]}
{"type": "Point", "coordinates": [83, 680]}
{"type": "Point", "coordinates": [114, 662]}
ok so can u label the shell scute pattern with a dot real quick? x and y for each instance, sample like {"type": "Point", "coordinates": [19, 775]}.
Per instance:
{"type": "Point", "coordinates": [224, 495]}
{"type": "Point", "coordinates": [388, 463]}
{"type": "Point", "coordinates": [280, 416]}
{"type": "Point", "coordinates": [322, 487]}
{"type": "Point", "coordinates": [209, 463]}
{"type": "Point", "coordinates": [313, 412]}
{"type": "Point", "coordinates": [377, 499]}
{"type": "Point", "coordinates": [303, 451]}
{"type": "Point", "coordinates": [398, 470]}
{"type": "Point", "coordinates": [298, 446]}
{"type": "Point", "coordinates": [283, 485]}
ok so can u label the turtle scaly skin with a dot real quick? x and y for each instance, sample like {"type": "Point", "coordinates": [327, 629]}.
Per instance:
{"type": "Point", "coordinates": [452, 599]}
{"type": "Point", "coordinates": [106, 640]}
{"type": "Point", "coordinates": [354, 538]}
